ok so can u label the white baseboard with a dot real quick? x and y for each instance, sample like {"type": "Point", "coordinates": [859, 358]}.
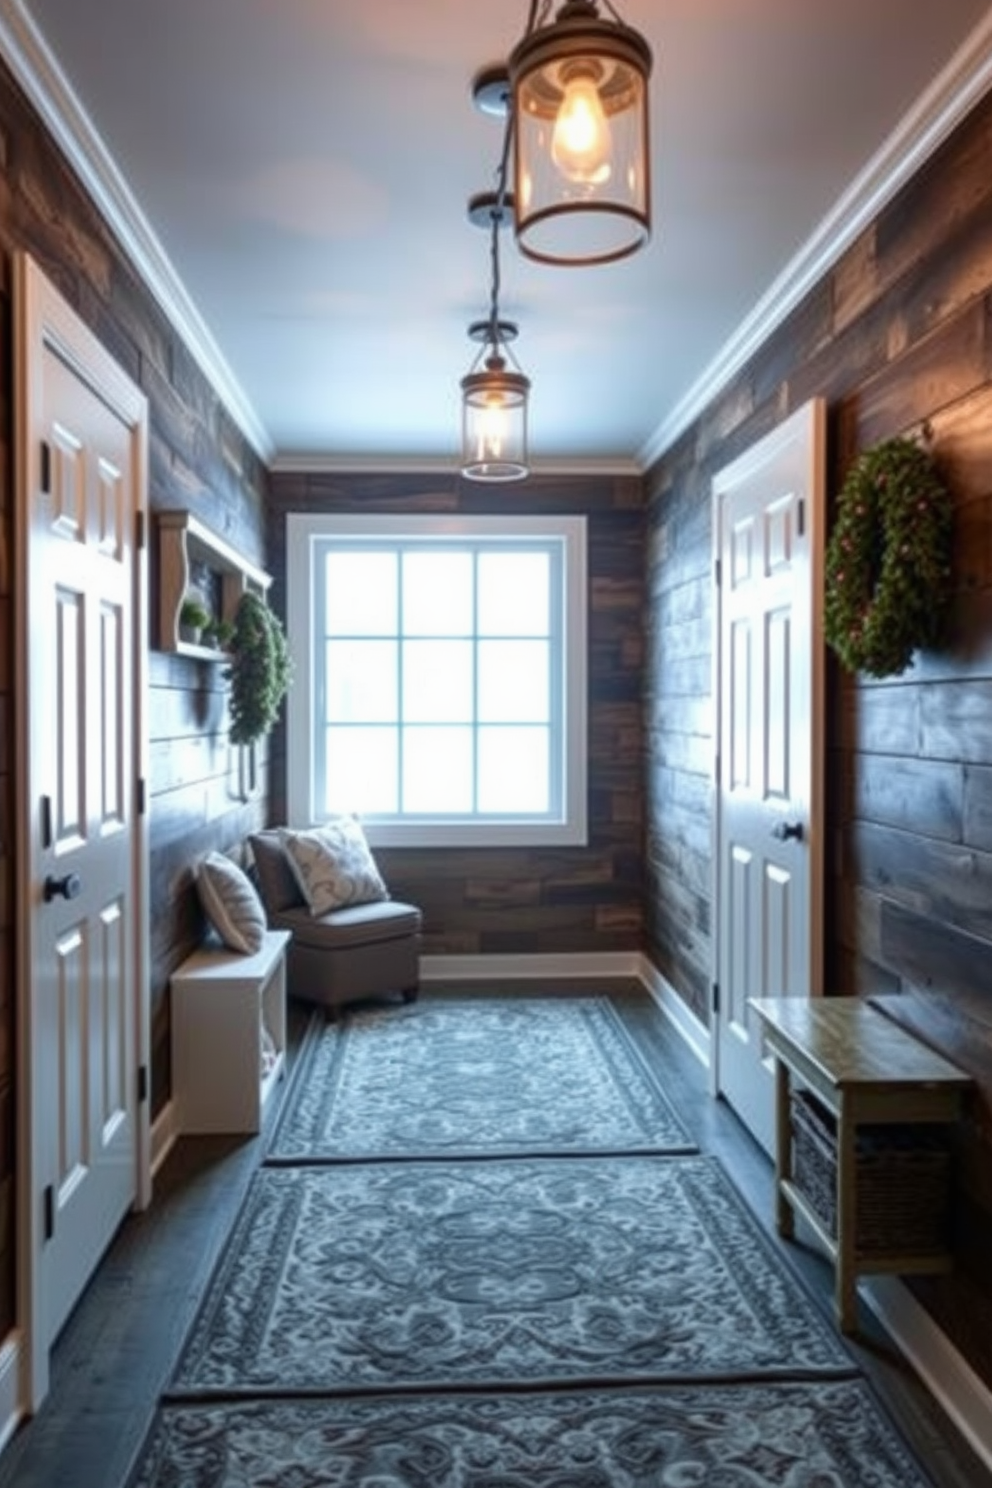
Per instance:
{"type": "Point", "coordinates": [164, 1134]}
{"type": "Point", "coordinates": [685, 1023]}
{"type": "Point", "coordinates": [533, 968]}
{"type": "Point", "coordinates": [949, 1378]}
{"type": "Point", "coordinates": [10, 1394]}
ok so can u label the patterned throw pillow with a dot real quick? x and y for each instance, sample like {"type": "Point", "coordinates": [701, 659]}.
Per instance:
{"type": "Point", "coordinates": [333, 865]}
{"type": "Point", "coordinates": [231, 903]}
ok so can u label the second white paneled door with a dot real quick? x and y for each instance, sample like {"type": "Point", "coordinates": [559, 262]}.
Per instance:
{"type": "Point", "coordinates": [768, 519]}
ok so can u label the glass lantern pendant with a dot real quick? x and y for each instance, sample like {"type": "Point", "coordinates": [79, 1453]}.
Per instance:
{"type": "Point", "coordinates": [579, 99]}
{"type": "Point", "coordinates": [494, 417]}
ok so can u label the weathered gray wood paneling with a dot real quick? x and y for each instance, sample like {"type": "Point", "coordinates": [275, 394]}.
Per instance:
{"type": "Point", "coordinates": [897, 336]}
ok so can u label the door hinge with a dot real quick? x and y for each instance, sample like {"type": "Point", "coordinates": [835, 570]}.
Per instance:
{"type": "Point", "coordinates": [715, 990]}
{"type": "Point", "coordinates": [139, 530]}
{"type": "Point", "coordinates": [49, 1203]}
{"type": "Point", "coordinates": [717, 572]}
{"type": "Point", "coordinates": [46, 822]}
{"type": "Point", "coordinates": [801, 516]}
{"type": "Point", "coordinates": [141, 794]}
{"type": "Point", "coordinates": [46, 467]}
{"type": "Point", "coordinates": [142, 1084]}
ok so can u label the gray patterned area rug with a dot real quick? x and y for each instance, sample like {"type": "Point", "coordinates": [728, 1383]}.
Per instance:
{"type": "Point", "coordinates": [824, 1435]}
{"type": "Point", "coordinates": [474, 1078]}
{"type": "Point", "coordinates": [542, 1272]}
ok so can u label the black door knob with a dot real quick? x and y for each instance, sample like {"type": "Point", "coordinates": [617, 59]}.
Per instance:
{"type": "Point", "coordinates": [68, 887]}
{"type": "Point", "coordinates": [784, 830]}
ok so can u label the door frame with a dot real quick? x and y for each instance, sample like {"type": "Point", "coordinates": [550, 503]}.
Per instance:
{"type": "Point", "coordinates": [43, 320]}
{"type": "Point", "coordinates": [758, 454]}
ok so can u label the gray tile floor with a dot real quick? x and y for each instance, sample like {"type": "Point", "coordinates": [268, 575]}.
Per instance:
{"type": "Point", "coordinates": [122, 1341]}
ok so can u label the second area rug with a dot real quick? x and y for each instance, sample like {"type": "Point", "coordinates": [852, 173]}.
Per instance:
{"type": "Point", "coordinates": [474, 1078]}
{"type": "Point", "coordinates": [534, 1271]}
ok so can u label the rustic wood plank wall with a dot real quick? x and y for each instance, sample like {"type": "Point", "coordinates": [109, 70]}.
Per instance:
{"type": "Point", "coordinates": [512, 901]}
{"type": "Point", "coordinates": [198, 460]}
{"type": "Point", "coordinates": [897, 336]}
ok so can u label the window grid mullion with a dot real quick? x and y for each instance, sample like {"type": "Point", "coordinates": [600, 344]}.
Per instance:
{"type": "Point", "coordinates": [319, 680]}
{"type": "Point", "coordinates": [400, 665]}
{"type": "Point", "coordinates": [475, 679]}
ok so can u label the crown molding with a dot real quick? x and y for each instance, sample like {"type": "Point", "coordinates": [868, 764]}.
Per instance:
{"type": "Point", "coordinates": [323, 464]}
{"type": "Point", "coordinates": [48, 89]}
{"type": "Point", "coordinates": [934, 116]}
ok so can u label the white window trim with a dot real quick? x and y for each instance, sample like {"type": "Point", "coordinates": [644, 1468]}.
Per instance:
{"type": "Point", "coordinates": [302, 529]}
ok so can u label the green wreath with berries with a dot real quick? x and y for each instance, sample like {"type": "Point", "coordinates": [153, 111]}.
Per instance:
{"type": "Point", "coordinates": [888, 562]}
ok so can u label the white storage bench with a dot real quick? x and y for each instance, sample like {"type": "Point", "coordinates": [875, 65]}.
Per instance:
{"type": "Point", "coordinates": [221, 1001]}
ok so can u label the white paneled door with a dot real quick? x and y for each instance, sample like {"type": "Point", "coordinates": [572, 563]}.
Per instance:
{"type": "Point", "coordinates": [82, 464]}
{"type": "Point", "coordinates": [768, 517]}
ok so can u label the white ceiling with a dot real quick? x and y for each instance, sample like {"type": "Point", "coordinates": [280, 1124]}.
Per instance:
{"type": "Point", "coordinates": [304, 166]}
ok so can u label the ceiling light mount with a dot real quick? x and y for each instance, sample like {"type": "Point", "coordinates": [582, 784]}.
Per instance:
{"type": "Point", "coordinates": [491, 90]}
{"type": "Point", "coordinates": [482, 330]}
{"type": "Point", "coordinates": [490, 209]}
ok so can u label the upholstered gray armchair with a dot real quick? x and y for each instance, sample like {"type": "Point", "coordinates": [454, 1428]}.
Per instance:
{"type": "Point", "coordinates": [347, 954]}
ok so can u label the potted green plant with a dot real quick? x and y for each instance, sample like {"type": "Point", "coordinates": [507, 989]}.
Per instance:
{"type": "Point", "coordinates": [218, 633]}
{"type": "Point", "coordinates": [193, 617]}
{"type": "Point", "coordinates": [260, 669]}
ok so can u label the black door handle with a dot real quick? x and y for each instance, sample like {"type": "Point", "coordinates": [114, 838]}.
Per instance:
{"type": "Point", "coordinates": [69, 886]}
{"type": "Point", "coordinates": [784, 830]}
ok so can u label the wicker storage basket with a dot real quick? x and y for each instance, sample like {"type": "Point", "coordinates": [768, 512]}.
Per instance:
{"type": "Point", "coordinates": [903, 1180]}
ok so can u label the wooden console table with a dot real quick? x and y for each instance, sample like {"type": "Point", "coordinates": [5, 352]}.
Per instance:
{"type": "Point", "coordinates": [864, 1069]}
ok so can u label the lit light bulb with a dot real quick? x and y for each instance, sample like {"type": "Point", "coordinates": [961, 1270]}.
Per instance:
{"type": "Point", "coordinates": [581, 143]}
{"type": "Point", "coordinates": [491, 429]}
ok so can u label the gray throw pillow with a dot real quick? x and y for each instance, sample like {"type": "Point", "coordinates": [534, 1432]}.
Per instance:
{"type": "Point", "coordinates": [231, 903]}
{"type": "Point", "coordinates": [333, 865]}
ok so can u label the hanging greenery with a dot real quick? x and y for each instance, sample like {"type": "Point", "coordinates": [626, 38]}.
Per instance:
{"type": "Point", "coordinates": [888, 562]}
{"type": "Point", "coordinates": [260, 670]}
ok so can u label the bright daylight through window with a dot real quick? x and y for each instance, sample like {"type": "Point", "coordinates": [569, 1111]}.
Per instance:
{"type": "Point", "coordinates": [440, 677]}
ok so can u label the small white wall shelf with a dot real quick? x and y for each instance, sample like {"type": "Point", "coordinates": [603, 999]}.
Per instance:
{"type": "Point", "coordinates": [220, 1002]}
{"type": "Point", "coordinates": [183, 540]}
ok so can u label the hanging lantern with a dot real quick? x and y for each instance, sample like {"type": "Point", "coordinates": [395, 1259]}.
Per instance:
{"type": "Point", "coordinates": [494, 392]}
{"type": "Point", "coordinates": [494, 411]}
{"type": "Point", "coordinates": [579, 99]}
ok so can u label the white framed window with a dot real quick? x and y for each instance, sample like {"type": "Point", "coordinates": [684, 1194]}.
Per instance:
{"type": "Point", "coordinates": [440, 677]}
